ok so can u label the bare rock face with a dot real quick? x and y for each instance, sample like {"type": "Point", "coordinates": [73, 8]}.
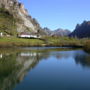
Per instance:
{"type": "Point", "coordinates": [22, 9]}
{"type": "Point", "coordinates": [25, 23]}
{"type": "Point", "coordinates": [81, 30]}
{"type": "Point", "coordinates": [7, 3]}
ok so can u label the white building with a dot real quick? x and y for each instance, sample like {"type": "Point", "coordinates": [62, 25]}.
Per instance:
{"type": "Point", "coordinates": [26, 35]}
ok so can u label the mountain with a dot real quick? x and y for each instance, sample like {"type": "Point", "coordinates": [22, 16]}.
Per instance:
{"type": "Point", "coordinates": [48, 31]}
{"type": "Point", "coordinates": [81, 30]}
{"type": "Point", "coordinates": [14, 18]}
{"type": "Point", "coordinates": [61, 32]}
{"type": "Point", "coordinates": [57, 32]}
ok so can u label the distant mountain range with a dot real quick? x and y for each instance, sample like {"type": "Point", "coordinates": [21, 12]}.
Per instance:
{"type": "Point", "coordinates": [81, 30]}
{"type": "Point", "coordinates": [57, 32]}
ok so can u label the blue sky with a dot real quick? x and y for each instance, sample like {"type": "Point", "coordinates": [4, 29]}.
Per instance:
{"type": "Point", "coordinates": [58, 13]}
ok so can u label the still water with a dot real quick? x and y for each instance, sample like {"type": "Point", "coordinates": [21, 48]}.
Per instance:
{"type": "Point", "coordinates": [44, 69]}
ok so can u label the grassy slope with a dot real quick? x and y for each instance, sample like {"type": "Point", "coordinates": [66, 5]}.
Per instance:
{"type": "Point", "coordinates": [7, 22]}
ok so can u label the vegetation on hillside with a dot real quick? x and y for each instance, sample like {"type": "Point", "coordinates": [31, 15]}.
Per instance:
{"type": "Point", "coordinates": [7, 23]}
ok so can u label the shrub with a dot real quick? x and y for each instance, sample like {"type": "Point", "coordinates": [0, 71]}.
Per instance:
{"type": "Point", "coordinates": [87, 46]}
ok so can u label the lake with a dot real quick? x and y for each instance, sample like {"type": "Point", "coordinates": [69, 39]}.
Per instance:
{"type": "Point", "coordinates": [44, 69]}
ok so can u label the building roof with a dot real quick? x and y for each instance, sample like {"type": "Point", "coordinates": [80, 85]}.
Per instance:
{"type": "Point", "coordinates": [24, 33]}
{"type": "Point", "coordinates": [27, 33]}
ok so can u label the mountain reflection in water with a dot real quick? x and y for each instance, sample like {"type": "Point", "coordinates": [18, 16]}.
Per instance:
{"type": "Point", "coordinates": [15, 65]}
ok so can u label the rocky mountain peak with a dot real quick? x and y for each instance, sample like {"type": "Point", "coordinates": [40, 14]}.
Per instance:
{"type": "Point", "coordinates": [82, 30]}
{"type": "Point", "coordinates": [7, 3]}
{"type": "Point", "coordinates": [25, 23]}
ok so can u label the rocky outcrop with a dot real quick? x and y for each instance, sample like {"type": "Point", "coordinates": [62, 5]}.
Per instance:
{"type": "Point", "coordinates": [24, 22]}
{"type": "Point", "coordinates": [81, 30]}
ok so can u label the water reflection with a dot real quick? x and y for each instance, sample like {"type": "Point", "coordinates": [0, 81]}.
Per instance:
{"type": "Point", "coordinates": [15, 66]}
{"type": "Point", "coordinates": [82, 58]}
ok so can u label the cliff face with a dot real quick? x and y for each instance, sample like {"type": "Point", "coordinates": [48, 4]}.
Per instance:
{"type": "Point", "coordinates": [81, 30]}
{"type": "Point", "coordinates": [24, 22]}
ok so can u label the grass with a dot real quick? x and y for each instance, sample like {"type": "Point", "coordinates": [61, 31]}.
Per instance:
{"type": "Point", "coordinates": [7, 22]}
{"type": "Point", "coordinates": [45, 41]}
{"type": "Point", "coordinates": [19, 42]}
{"type": "Point", "coordinates": [63, 41]}
{"type": "Point", "coordinates": [87, 46]}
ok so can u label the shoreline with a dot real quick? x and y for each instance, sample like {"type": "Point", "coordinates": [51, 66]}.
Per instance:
{"type": "Point", "coordinates": [61, 46]}
{"type": "Point", "coordinates": [12, 42]}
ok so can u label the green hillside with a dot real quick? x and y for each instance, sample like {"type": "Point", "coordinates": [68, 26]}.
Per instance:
{"type": "Point", "coordinates": [7, 23]}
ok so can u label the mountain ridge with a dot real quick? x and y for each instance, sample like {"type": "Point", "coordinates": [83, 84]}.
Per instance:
{"type": "Point", "coordinates": [82, 30]}
{"type": "Point", "coordinates": [57, 32]}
